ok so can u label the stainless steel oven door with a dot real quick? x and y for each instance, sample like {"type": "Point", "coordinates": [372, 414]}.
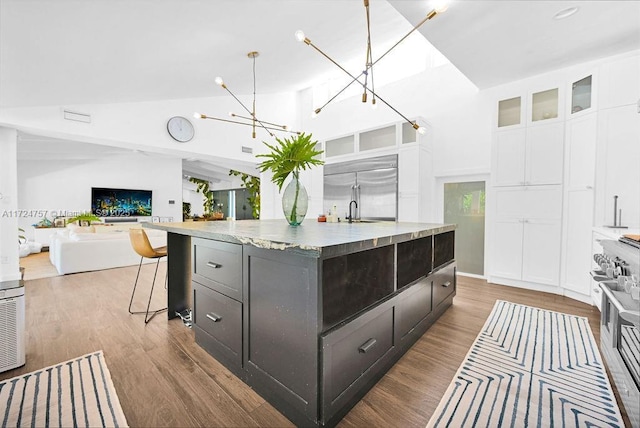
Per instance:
{"type": "Point", "coordinates": [628, 346]}
{"type": "Point", "coordinates": [608, 316]}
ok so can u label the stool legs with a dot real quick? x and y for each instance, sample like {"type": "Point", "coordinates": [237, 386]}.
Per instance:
{"type": "Point", "coordinates": [153, 313]}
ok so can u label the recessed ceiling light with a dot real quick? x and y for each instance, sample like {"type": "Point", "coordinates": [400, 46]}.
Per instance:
{"type": "Point", "coordinates": [565, 13]}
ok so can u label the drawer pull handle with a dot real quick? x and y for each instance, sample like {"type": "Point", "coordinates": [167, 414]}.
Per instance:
{"type": "Point", "coordinates": [214, 265]}
{"type": "Point", "coordinates": [213, 317]}
{"type": "Point", "coordinates": [367, 345]}
{"type": "Point", "coordinates": [446, 284]}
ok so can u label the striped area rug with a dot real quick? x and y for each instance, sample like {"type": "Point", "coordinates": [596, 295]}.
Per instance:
{"type": "Point", "coordinates": [530, 367]}
{"type": "Point", "coordinates": [78, 392]}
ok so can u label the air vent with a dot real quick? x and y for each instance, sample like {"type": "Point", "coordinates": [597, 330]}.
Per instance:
{"type": "Point", "coordinates": [77, 117]}
{"type": "Point", "coordinates": [246, 149]}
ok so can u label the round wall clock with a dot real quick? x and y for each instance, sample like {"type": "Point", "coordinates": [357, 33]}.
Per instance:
{"type": "Point", "coordinates": [180, 129]}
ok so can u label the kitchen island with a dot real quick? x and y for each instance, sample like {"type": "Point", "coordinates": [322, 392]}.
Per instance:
{"type": "Point", "coordinates": [311, 317]}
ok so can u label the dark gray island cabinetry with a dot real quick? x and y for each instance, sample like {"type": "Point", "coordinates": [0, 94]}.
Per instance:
{"type": "Point", "coordinates": [311, 317]}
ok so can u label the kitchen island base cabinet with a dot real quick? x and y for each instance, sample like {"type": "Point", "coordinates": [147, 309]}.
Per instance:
{"type": "Point", "coordinates": [312, 328]}
{"type": "Point", "coordinates": [281, 326]}
{"type": "Point", "coordinates": [218, 324]}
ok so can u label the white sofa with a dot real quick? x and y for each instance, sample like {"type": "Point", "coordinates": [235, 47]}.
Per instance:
{"type": "Point", "coordinates": [83, 250]}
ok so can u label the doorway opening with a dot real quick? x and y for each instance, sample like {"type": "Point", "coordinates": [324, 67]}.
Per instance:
{"type": "Point", "coordinates": [464, 205]}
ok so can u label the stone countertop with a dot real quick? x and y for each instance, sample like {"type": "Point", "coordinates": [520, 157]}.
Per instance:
{"type": "Point", "coordinates": [311, 238]}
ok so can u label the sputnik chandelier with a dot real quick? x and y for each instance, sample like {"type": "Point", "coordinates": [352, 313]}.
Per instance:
{"type": "Point", "coordinates": [251, 120]}
{"type": "Point", "coordinates": [367, 84]}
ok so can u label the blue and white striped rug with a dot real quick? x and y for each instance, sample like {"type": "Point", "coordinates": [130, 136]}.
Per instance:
{"type": "Point", "coordinates": [74, 393]}
{"type": "Point", "coordinates": [530, 367]}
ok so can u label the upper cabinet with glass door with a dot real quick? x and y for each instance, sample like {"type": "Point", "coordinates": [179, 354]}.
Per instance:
{"type": "Point", "coordinates": [509, 112]}
{"type": "Point", "coordinates": [581, 95]}
{"type": "Point", "coordinates": [544, 105]}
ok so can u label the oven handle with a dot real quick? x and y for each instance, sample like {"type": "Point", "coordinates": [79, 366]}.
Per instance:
{"type": "Point", "coordinates": [630, 316]}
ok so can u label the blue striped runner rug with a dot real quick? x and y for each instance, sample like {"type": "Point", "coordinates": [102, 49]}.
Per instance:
{"type": "Point", "coordinates": [530, 367]}
{"type": "Point", "coordinates": [77, 392]}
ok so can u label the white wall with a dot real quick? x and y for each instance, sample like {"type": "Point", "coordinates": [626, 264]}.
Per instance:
{"type": "Point", "coordinates": [442, 95]}
{"type": "Point", "coordinates": [143, 125]}
{"type": "Point", "coordinates": [65, 185]}
{"type": "Point", "coordinates": [9, 262]}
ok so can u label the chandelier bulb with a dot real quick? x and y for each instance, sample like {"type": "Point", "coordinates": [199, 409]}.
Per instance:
{"type": "Point", "coordinates": [198, 115]}
{"type": "Point", "coordinates": [422, 130]}
{"type": "Point", "coordinates": [374, 106]}
{"type": "Point", "coordinates": [299, 35]}
{"type": "Point", "coordinates": [440, 5]}
{"type": "Point", "coordinates": [231, 114]}
{"type": "Point", "coordinates": [219, 81]}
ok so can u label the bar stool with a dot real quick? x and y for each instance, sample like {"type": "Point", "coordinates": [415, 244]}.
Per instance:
{"type": "Point", "coordinates": [142, 246]}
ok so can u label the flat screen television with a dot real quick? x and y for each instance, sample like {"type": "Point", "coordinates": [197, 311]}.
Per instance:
{"type": "Point", "coordinates": [120, 202]}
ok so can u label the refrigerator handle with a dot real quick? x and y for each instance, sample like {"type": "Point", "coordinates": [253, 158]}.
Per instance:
{"type": "Point", "coordinates": [357, 199]}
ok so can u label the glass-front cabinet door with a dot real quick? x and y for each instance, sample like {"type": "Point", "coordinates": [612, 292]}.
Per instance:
{"type": "Point", "coordinates": [544, 105]}
{"type": "Point", "coordinates": [581, 95]}
{"type": "Point", "coordinates": [509, 112]}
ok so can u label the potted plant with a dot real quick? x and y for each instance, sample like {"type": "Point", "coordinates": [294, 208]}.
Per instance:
{"type": "Point", "coordinates": [84, 217]}
{"type": "Point", "coordinates": [289, 157]}
{"type": "Point", "coordinates": [209, 203]}
{"type": "Point", "coordinates": [252, 184]}
{"type": "Point", "coordinates": [186, 211]}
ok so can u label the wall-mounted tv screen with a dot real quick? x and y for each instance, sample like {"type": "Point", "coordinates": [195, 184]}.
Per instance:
{"type": "Point", "coordinates": [120, 202]}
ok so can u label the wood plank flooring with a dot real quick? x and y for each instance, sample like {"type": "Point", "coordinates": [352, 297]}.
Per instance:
{"type": "Point", "coordinates": [164, 379]}
{"type": "Point", "coordinates": [38, 265]}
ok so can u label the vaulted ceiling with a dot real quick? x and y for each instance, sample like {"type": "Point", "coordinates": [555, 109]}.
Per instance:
{"type": "Point", "coordinates": [107, 51]}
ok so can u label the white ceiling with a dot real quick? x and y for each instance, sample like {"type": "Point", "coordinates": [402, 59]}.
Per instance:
{"type": "Point", "coordinates": [493, 42]}
{"type": "Point", "coordinates": [104, 51]}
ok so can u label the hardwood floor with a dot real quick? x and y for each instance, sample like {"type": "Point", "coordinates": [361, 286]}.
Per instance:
{"type": "Point", "coordinates": [38, 266]}
{"type": "Point", "coordinates": [164, 379]}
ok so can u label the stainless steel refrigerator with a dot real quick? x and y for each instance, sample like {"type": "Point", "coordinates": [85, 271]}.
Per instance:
{"type": "Point", "coordinates": [372, 183]}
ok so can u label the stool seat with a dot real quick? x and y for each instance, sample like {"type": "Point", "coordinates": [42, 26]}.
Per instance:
{"type": "Point", "coordinates": [142, 246]}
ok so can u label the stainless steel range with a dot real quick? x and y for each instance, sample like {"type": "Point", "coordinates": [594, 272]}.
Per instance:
{"type": "Point", "coordinates": [620, 319]}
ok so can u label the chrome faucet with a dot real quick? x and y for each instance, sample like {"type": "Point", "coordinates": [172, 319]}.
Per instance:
{"type": "Point", "coordinates": [350, 215]}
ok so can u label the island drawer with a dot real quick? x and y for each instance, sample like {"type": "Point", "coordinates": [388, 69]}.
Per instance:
{"type": "Point", "coordinates": [351, 354]}
{"type": "Point", "coordinates": [414, 304]}
{"type": "Point", "coordinates": [444, 283]}
{"type": "Point", "coordinates": [218, 265]}
{"type": "Point", "coordinates": [220, 318]}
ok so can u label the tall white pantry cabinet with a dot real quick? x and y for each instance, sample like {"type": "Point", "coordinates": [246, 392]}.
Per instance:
{"type": "Point", "coordinates": [554, 170]}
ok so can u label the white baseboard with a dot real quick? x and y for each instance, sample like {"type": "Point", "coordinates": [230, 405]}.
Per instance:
{"type": "Point", "coordinates": [471, 275]}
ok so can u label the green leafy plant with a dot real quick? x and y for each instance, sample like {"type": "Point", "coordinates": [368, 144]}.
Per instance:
{"type": "Point", "coordinates": [252, 184]}
{"type": "Point", "coordinates": [84, 217]}
{"type": "Point", "coordinates": [21, 238]}
{"type": "Point", "coordinates": [289, 157]}
{"type": "Point", "coordinates": [186, 210]}
{"type": "Point", "coordinates": [203, 187]}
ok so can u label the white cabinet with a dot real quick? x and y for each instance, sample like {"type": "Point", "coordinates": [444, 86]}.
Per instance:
{"type": "Point", "coordinates": [527, 234]}
{"type": "Point", "coordinates": [527, 250]}
{"type": "Point", "coordinates": [415, 183]}
{"type": "Point", "coordinates": [618, 165]}
{"type": "Point", "coordinates": [581, 139]}
{"type": "Point", "coordinates": [545, 154]}
{"type": "Point", "coordinates": [620, 82]}
{"type": "Point", "coordinates": [507, 241]}
{"type": "Point", "coordinates": [509, 151]}
{"type": "Point", "coordinates": [541, 251]}
{"type": "Point", "coordinates": [529, 156]}
{"type": "Point", "coordinates": [43, 235]}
